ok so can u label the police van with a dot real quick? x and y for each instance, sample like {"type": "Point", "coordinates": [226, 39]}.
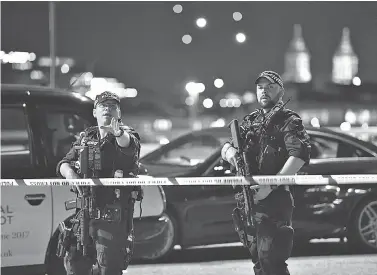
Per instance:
{"type": "Point", "coordinates": [38, 126]}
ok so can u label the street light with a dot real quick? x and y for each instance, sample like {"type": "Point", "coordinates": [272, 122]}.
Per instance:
{"type": "Point", "coordinates": [52, 38]}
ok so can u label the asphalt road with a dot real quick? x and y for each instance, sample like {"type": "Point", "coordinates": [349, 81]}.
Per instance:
{"type": "Point", "coordinates": [314, 259]}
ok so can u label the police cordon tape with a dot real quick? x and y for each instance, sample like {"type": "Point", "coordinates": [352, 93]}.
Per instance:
{"type": "Point", "coordinates": [255, 180]}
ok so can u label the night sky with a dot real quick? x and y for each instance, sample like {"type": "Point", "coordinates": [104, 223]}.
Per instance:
{"type": "Point", "coordinates": [140, 42]}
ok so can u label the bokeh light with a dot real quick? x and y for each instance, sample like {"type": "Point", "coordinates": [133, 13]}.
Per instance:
{"type": "Point", "coordinates": [240, 37]}
{"type": "Point", "coordinates": [64, 69]}
{"type": "Point", "coordinates": [356, 81]}
{"type": "Point", "coordinates": [237, 16]}
{"type": "Point", "coordinates": [207, 103]}
{"type": "Point", "coordinates": [219, 83]}
{"type": "Point", "coordinates": [187, 39]}
{"type": "Point", "coordinates": [178, 8]}
{"type": "Point", "coordinates": [201, 22]}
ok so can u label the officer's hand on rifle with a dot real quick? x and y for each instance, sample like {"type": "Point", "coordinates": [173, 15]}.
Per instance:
{"type": "Point", "coordinates": [72, 175]}
{"type": "Point", "coordinates": [229, 154]}
{"type": "Point", "coordinates": [67, 172]}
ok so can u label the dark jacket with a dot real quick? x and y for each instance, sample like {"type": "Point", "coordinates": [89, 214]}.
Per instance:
{"type": "Point", "coordinates": [113, 157]}
{"type": "Point", "coordinates": [285, 137]}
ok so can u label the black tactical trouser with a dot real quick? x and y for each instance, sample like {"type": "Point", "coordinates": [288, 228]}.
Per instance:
{"type": "Point", "coordinates": [272, 245]}
{"type": "Point", "coordinates": [111, 250]}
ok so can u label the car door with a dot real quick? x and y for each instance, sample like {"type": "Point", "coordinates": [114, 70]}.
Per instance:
{"type": "Point", "coordinates": [330, 156]}
{"type": "Point", "coordinates": [26, 225]}
{"type": "Point", "coordinates": [209, 208]}
{"type": "Point", "coordinates": [17, 150]}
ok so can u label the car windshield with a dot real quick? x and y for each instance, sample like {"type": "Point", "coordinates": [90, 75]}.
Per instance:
{"type": "Point", "coordinates": [189, 150]}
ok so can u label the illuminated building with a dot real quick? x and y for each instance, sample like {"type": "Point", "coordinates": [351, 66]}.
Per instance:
{"type": "Point", "coordinates": [297, 59]}
{"type": "Point", "coordinates": [345, 61]}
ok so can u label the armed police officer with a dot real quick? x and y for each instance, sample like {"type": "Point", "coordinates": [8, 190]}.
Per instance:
{"type": "Point", "coordinates": [273, 141]}
{"type": "Point", "coordinates": [101, 234]}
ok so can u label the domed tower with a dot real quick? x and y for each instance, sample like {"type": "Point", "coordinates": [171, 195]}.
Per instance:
{"type": "Point", "coordinates": [345, 61]}
{"type": "Point", "coordinates": [297, 59]}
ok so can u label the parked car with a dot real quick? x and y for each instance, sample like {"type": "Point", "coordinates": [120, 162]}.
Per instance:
{"type": "Point", "coordinates": [202, 214]}
{"type": "Point", "coordinates": [38, 126]}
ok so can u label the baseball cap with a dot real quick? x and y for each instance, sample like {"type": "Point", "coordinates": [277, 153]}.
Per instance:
{"type": "Point", "coordinates": [271, 76]}
{"type": "Point", "coordinates": [106, 96]}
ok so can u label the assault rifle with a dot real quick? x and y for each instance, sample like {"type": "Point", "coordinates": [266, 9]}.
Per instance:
{"type": "Point", "coordinates": [242, 214]}
{"type": "Point", "coordinates": [84, 201]}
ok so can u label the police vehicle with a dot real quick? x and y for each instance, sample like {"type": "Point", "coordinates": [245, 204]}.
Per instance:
{"type": "Point", "coordinates": [38, 126]}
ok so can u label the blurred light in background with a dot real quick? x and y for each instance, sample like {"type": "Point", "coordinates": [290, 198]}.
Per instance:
{"type": "Point", "coordinates": [45, 61]}
{"type": "Point", "coordinates": [315, 122]}
{"type": "Point", "coordinates": [201, 22]}
{"type": "Point", "coordinates": [64, 69]}
{"type": "Point", "coordinates": [218, 123]}
{"type": "Point", "coordinates": [364, 116]}
{"type": "Point", "coordinates": [365, 126]}
{"type": "Point", "coordinates": [36, 75]}
{"type": "Point", "coordinates": [22, 66]}
{"type": "Point", "coordinates": [249, 97]}
{"type": "Point", "coordinates": [356, 81]}
{"type": "Point", "coordinates": [237, 102]}
{"type": "Point", "coordinates": [32, 56]}
{"type": "Point", "coordinates": [350, 117]}
{"type": "Point", "coordinates": [237, 16]}
{"type": "Point", "coordinates": [194, 88]}
{"type": "Point", "coordinates": [197, 125]}
{"type": "Point", "coordinates": [218, 83]}
{"type": "Point", "coordinates": [207, 103]}
{"type": "Point", "coordinates": [186, 39]}
{"type": "Point", "coordinates": [130, 92]}
{"type": "Point", "coordinates": [223, 102]}
{"type": "Point", "coordinates": [177, 8]}
{"type": "Point", "coordinates": [163, 141]}
{"type": "Point", "coordinates": [189, 101]}
{"type": "Point", "coordinates": [88, 78]}
{"type": "Point", "coordinates": [162, 124]}
{"type": "Point", "coordinates": [229, 103]}
{"type": "Point", "coordinates": [15, 57]}
{"type": "Point", "coordinates": [345, 126]}
{"type": "Point", "coordinates": [240, 37]}
{"type": "Point", "coordinates": [100, 84]}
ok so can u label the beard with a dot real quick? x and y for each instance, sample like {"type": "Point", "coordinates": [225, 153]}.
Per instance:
{"type": "Point", "coordinates": [267, 104]}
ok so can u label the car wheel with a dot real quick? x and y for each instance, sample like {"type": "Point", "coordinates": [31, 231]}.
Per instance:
{"type": "Point", "coordinates": [362, 229]}
{"type": "Point", "coordinates": [170, 239]}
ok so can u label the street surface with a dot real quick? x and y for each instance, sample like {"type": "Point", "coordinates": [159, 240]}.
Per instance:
{"type": "Point", "coordinates": [314, 259]}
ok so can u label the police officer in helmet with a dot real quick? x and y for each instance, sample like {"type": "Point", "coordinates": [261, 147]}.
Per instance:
{"type": "Point", "coordinates": [113, 152]}
{"type": "Point", "coordinates": [282, 148]}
